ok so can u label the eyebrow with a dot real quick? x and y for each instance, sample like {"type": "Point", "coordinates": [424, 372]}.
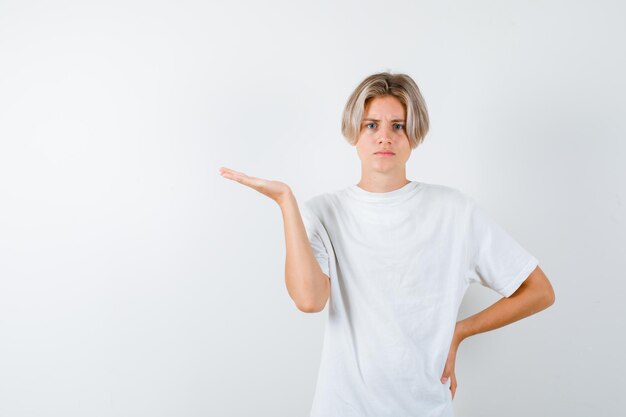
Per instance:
{"type": "Point", "coordinates": [377, 120]}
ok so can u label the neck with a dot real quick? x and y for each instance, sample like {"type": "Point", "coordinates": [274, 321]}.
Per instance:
{"type": "Point", "coordinates": [382, 183]}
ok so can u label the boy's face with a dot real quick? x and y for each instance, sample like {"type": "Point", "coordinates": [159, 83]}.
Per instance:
{"type": "Point", "coordinates": [383, 128]}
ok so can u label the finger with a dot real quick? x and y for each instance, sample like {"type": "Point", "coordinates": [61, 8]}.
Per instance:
{"type": "Point", "coordinates": [244, 179]}
{"type": "Point", "coordinates": [453, 385]}
{"type": "Point", "coordinates": [445, 376]}
{"type": "Point", "coordinates": [231, 176]}
{"type": "Point", "coordinates": [224, 170]}
{"type": "Point", "coordinates": [234, 175]}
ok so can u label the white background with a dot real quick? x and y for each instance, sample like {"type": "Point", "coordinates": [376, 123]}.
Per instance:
{"type": "Point", "coordinates": [136, 281]}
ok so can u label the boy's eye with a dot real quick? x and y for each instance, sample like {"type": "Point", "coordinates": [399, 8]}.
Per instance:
{"type": "Point", "coordinates": [398, 126]}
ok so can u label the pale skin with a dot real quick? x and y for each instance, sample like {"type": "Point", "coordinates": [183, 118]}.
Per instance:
{"type": "Point", "coordinates": [383, 128]}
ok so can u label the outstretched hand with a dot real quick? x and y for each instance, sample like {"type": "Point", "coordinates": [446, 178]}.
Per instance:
{"type": "Point", "coordinates": [275, 190]}
{"type": "Point", "coordinates": [448, 371]}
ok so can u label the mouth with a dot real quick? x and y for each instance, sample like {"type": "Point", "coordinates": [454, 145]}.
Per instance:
{"type": "Point", "coordinates": [384, 153]}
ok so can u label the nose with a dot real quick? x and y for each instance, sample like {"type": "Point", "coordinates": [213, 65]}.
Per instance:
{"type": "Point", "coordinates": [385, 134]}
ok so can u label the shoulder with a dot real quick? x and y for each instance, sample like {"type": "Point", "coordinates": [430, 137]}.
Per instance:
{"type": "Point", "coordinates": [446, 195]}
{"type": "Point", "coordinates": [323, 202]}
{"type": "Point", "coordinates": [315, 203]}
{"type": "Point", "coordinates": [315, 208]}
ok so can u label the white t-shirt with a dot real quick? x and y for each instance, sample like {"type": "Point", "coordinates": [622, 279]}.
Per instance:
{"type": "Point", "coordinates": [399, 264]}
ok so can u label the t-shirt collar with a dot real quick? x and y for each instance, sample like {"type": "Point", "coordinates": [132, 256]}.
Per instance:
{"type": "Point", "coordinates": [389, 196]}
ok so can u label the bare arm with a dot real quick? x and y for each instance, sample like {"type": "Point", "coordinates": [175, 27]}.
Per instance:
{"type": "Point", "coordinates": [307, 284]}
{"type": "Point", "coordinates": [535, 294]}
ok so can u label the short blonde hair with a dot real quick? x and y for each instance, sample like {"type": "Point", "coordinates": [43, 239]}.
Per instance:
{"type": "Point", "coordinates": [400, 86]}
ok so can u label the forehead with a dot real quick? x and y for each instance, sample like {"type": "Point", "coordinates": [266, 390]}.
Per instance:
{"type": "Point", "coordinates": [385, 106]}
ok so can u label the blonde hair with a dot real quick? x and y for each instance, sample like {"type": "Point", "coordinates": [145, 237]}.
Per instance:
{"type": "Point", "coordinates": [400, 86]}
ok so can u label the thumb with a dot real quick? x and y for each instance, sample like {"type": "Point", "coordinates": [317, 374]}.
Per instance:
{"type": "Point", "coordinates": [445, 375]}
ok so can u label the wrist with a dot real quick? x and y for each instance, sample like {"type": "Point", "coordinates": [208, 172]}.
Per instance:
{"type": "Point", "coordinates": [285, 198]}
{"type": "Point", "coordinates": [460, 331]}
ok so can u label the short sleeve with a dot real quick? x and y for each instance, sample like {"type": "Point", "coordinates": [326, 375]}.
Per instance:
{"type": "Point", "coordinates": [315, 232]}
{"type": "Point", "coordinates": [494, 259]}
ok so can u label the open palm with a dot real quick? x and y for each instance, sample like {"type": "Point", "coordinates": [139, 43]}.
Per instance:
{"type": "Point", "coordinates": [276, 190]}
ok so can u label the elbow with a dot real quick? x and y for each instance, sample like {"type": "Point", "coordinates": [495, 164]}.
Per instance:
{"type": "Point", "coordinates": [543, 287]}
{"type": "Point", "coordinates": [311, 307]}
{"type": "Point", "coordinates": [312, 300]}
{"type": "Point", "coordinates": [550, 298]}
{"type": "Point", "coordinates": [315, 303]}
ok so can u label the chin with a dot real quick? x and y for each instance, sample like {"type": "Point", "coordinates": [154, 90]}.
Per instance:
{"type": "Point", "coordinates": [383, 169]}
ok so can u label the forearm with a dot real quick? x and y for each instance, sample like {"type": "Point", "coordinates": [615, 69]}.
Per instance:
{"type": "Point", "coordinates": [307, 285]}
{"type": "Point", "coordinates": [523, 303]}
